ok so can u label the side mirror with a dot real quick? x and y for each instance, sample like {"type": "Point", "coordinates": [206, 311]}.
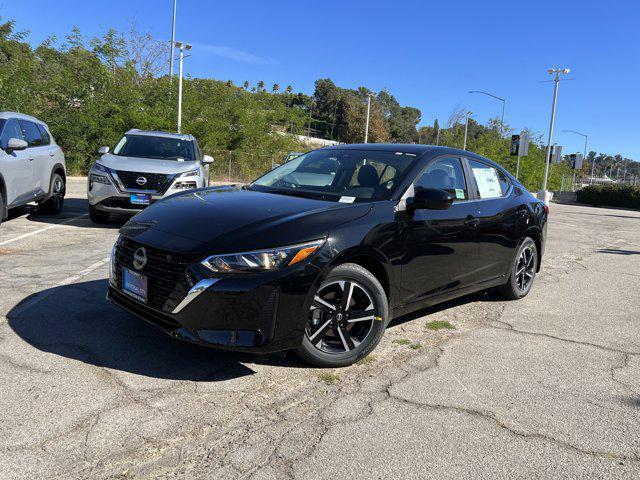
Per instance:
{"type": "Point", "coordinates": [207, 159]}
{"type": "Point", "coordinates": [15, 144]}
{"type": "Point", "coordinates": [430, 199]}
{"type": "Point", "coordinates": [103, 150]}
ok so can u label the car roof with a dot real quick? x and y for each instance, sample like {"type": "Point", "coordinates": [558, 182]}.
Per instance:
{"type": "Point", "coordinates": [414, 149]}
{"type": "Point", "coordinates": [20, 116]}
{"type": "Point", "coordinates": [153, 133]}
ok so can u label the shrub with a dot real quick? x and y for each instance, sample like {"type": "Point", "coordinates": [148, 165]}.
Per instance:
{"type": "Point", "coordinates": [611, 195]}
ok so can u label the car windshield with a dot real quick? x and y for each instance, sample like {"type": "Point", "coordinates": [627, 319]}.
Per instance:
{"type": "Point", "coordinates": [342, 175]}
{"type": "Point", "coordinates": [163, 148]}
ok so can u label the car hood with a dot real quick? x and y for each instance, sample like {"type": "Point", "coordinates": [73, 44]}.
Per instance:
{"type": "Point", "coordinates": [146, 165]}
{"type": "Point", "coordinates": [230, 218]}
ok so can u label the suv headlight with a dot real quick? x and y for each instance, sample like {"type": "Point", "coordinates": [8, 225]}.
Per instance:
{"type": "Point", "coordinates": [190, 173]}
{"type": "Point", "coordinates": [261, 260]}
{"type": "Point", "coordinates": [100, 168]}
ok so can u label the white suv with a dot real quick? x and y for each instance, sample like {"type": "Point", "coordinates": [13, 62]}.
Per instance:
{"type": "Point", "coordinates": [143, 168]}
{"type": "Point", "coordinates": [32, 166]}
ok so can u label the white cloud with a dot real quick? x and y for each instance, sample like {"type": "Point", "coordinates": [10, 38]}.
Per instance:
{"type": "Point", "coordinates": [234, 54]}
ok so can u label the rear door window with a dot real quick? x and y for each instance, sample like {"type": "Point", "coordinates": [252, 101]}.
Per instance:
{"type": "Point", "coordinates": [31, 133]}
{"type": "Point", "coordinates": [46, 138]}
{"type": "Point", "coordinates": [489, 181]}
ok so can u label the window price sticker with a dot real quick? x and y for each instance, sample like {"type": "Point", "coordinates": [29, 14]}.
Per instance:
{"type": "Point", "coordinates": [488, 182]}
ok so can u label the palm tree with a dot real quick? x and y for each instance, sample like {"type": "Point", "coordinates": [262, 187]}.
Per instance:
{"type": "Point", "coordinates": [229, 83]}
{"type": "Point", "coordinates": [275, 88]}
{"type": "Point", "coordinates": [245, 85]}
{"type": "Point", "coordinates": [289, 89]}
{"type": "Point", "coordinates": [260, 86]}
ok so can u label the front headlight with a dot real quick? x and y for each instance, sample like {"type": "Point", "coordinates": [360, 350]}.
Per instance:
{"type": "Point", "coordinates": [99, 179]}
{"type": "Point", "coordinates": [100, 168]}
{"type": "Point", "coordinates": [261, 260]}
{"type": "Point", "coordinates": [191, 173]}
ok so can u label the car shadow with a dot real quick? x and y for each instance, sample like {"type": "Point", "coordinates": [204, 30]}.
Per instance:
{"type": "Point", "coordinates": [75, 213]}
{"type": "Point", "coordinates": [482, 296]}
{"type": "Point", "coordinates": [77, 322]}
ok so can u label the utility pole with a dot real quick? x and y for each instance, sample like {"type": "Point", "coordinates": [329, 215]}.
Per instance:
{"type": "Point", "coordinates": [173, 40]}
{"type": "Point", "coordinates": [366, 128]}
{"type": "Point", "coordinates": [182, 47]}
{"type": "Point", "coordinates": [309, 125]}
{"type": "Point", "coordinates": [466, 127]}
{"type": "Point", "coordinates": [557, 72]}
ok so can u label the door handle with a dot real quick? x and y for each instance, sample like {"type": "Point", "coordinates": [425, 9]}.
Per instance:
{"type": "Point", "coordinates": [52, 154]}
{"type": "Point", "coordinates": [472, 222]}
{"type": "Point", "coordinates": [522, 213]}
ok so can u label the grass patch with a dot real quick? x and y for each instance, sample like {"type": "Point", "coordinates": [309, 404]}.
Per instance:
{"type": "Point", "coordinates": [416, 346]}
{"type": "Point", "coordinates": [402, 341]}
{"type": "Point", "coordinates": [439, 325]}
{"type": "Point", "coordinates": [366, 360]}
{"type": "Point", "coordinates": [328, 377]}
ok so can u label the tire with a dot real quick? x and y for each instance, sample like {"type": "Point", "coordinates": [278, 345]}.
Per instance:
{"type": "Point", "coordinates": [53, 205]}
{"type": "Point", "coordinates": [522, 272]}
{"type": "Point", "coordinates": [97, 216]}
{"type": "Point", "coordinates": [338, 334]}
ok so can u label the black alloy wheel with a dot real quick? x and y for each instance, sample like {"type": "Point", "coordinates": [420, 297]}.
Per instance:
{"type": "Point", "coordinates": [346, 319]}
{"type": "Point", "coordinates": [523, 271]}
{"type": "Point", "coordinates": [54, 204]}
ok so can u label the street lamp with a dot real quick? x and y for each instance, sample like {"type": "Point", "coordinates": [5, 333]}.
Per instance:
{"type": "Point", "coordinates": [585, 149]}
{"type": "Point", "coordinates": [182, 47]}
{"type": "Point", "coordinates": [173, 40]}
{"type": "Point", "coordinates": [557, 72]}
{"type": "Point", "coordinates": [366, 127]}
{"type": "Point", "coordinates": [466, 127]}
{"type": "Point", "coordinates": [504, 103]}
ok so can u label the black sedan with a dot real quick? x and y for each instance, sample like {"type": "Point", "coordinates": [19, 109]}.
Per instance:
{"type": "Point", "coordinates": [319, 254]}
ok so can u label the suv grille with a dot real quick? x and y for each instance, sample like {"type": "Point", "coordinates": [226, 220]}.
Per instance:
{"type": "Point", "coordinates": [157, 182]}
{"type": "Point", "coordinates": [168, 281]}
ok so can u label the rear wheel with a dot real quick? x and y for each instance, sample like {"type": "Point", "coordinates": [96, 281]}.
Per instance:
{"type": "Point", "coordinates": [523, 271]}
{"type": "Point", "coordinates": [347, 318]}
{"type": "Point", "coordinates": [54, 204]}
{"type": "Point", "coordinates": [97, 216]}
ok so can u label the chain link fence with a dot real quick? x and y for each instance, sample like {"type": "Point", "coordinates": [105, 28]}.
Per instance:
{"type": "Point", "coordinates": [242, 167]}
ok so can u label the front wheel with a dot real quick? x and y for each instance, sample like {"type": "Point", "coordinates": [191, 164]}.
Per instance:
{"type": "Point", "coordinates": [523, 271]}
{"type": "Point", "coordinates": [54, 204]}
{"type": "Point", "coordinates": [347, 318]}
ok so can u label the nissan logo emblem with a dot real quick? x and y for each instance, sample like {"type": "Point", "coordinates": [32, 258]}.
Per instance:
{"type": "Point", "coordinates": [140, 258]}
{"type": "Point", "coordinates": [141, 181]}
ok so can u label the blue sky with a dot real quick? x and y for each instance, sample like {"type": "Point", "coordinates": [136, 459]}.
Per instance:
{"type": "Point", "coordinates": [428, 54]}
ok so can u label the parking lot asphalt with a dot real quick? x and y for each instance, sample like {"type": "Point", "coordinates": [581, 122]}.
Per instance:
{"type": "Point", "coordinates": [544, 387]}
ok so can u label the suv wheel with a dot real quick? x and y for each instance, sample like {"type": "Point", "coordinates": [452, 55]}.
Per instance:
{"type": "Point", "coordinates": [523, 271]}
{"type": "Point", "coordinates": [347, 318]}
{"type": "Point", "coordinates": [97, 216]}
{"type": "Point", "coordinates": [54, 204]}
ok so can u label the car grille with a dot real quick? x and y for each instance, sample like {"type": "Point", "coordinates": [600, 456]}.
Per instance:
{"type": "Point", "coordinates": [156, 182]}
{"type": "Point", "coordinates": [168, 282]}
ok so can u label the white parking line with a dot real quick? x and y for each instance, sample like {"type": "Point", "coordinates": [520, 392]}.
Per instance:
{"type": "Point", "coordinates": [47, 293]}
{"type": "Point", "coordinates": [20, 237]}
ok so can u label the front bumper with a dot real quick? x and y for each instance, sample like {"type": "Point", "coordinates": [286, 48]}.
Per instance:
{"type": "Point", "coordinates": [259, 313]}
{"type": "Point", "coordinates": [110, 199]}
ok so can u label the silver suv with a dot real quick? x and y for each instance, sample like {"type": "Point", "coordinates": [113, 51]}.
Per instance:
{"type": "Point", "coordinates": [32, 166]}
{"type": "Point", "coordinates": [143, 168]}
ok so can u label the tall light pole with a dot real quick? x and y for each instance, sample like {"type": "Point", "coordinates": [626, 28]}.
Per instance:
{"type": "Point", "coordinates": [173, 40]}
{"type": "Point", "coordinates": [466, 127]}
{"type": "Point", "coordinates": [182, 47]}
{"type": "Point", "coordinates": [585, 148]}
{"type": "Point", "coordinates": [504, 103]}
{"type": "Point", "coordinates": [556, 80]}
{"type": "Point", "coordinates": [366, 127]}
